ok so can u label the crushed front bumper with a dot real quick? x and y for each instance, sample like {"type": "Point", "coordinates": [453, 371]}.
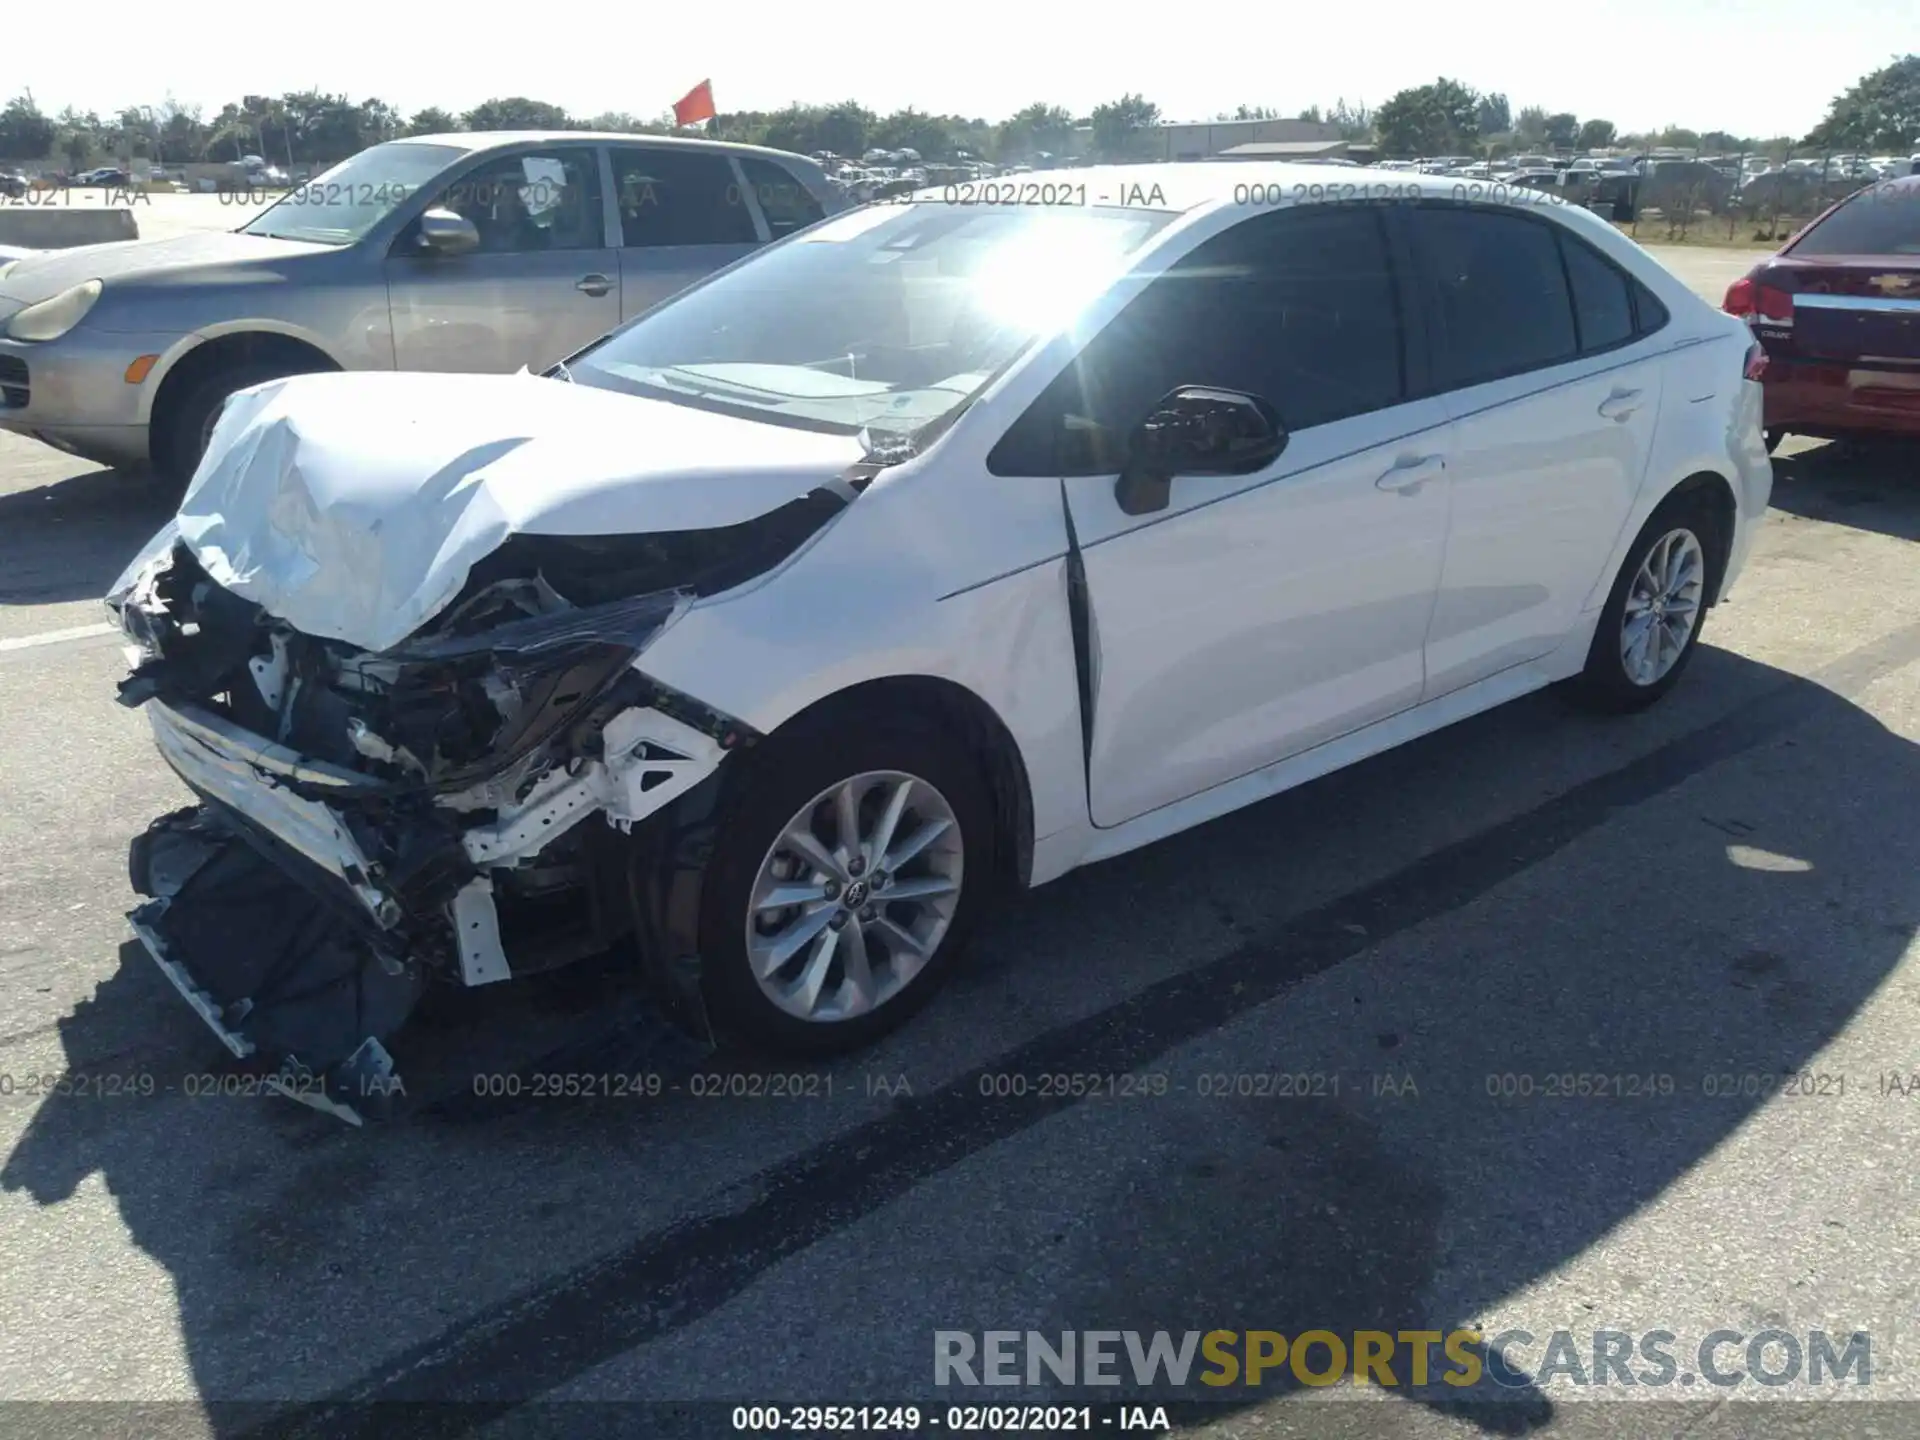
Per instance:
{"type": "Point", "coordinates": [302, 917]}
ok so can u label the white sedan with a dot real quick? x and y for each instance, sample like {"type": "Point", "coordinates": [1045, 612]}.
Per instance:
{"type": "Point", "coordinates": [944, 546]}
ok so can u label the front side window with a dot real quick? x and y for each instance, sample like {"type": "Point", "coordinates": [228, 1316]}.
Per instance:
{"type": "Point", "coordinates": [548, 200]}
{"type": "Point", "coordinates": [890, 318]}
{"type": "Point", "coordinates": [1498, 290]}
{"type": "Point", "coordinates": [1299, 308]}
{"type": "Point", "coordinates": [679, 197]}
{"type": "Point", "coordinates": [344, 203]}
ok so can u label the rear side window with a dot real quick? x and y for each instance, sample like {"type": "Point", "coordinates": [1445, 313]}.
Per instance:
{"type": "Point", "coordinates": [679, 197]}
{"type": "Point", "coordinates": [1880, 220]}
{"type": "Point", "coordinates": [1499, 291]}
{"type": "Point", "coordinates": [1648, 312]}
{"type": "Point", "coordinates": [1602, 297]}
{"type": "Point", "coordinates": [787, 204]}
{"type": "Point", "coordinates": [1300, 308]}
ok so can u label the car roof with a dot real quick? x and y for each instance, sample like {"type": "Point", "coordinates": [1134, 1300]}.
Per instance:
{"type": "Point", "coordinates": [476, 140]}
{"type": "Point", "coordinates": [1192, 184]}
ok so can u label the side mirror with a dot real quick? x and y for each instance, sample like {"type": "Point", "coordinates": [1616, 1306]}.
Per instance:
{"type": "Point", "coordinates": [1196, 431]}
{"type": "Point", "coordinates": [443, 232]}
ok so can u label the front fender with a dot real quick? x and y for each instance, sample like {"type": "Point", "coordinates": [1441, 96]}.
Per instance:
{"type": "Point", "coordinates": [925, 574]}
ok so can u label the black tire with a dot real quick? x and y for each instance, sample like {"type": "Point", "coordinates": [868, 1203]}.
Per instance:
{"type": "Point", "coordinates": [780, 776]}
{"type": "Point", "coordinates": [1604, 684]}
{"type": "Point", "coordinates": [180, 436]}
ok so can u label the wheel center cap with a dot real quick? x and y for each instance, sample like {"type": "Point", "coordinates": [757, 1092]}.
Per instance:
{"type": "Point", "coordinates": [856, 895]}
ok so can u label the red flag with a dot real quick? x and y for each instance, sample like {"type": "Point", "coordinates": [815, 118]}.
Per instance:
{"type": "Point", "coordinates": [696, 105]}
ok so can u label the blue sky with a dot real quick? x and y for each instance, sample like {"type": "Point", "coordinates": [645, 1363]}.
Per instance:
{"type": "Point", "coordinates": [1750, 66]}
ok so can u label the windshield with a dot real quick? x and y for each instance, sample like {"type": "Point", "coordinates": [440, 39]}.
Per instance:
{"type": "Point", "coordinates": [888, 318]}
{"type": "Point", "coordinates": [1881, 220]}
{"type": "Point", "coordinates": [340, 206]}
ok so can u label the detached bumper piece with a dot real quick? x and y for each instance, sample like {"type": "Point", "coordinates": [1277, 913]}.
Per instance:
{"type": "Point", "coordinates": [297, 988]}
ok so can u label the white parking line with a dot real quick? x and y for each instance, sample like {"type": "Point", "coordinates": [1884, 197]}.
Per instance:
{"type": "Point", "coordinates": [58, 637]}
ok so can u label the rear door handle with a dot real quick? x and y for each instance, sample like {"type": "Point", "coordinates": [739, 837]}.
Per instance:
{"type": "Point", "coordinates": [1620, 404]}
{"type": "Point", "coordinates": [1410, 474]}
{"type": "Point", "coordinates": [593, 284]}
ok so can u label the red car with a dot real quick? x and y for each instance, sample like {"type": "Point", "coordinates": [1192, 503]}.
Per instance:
{"type": "Point", "coordinates": [1837, 312]}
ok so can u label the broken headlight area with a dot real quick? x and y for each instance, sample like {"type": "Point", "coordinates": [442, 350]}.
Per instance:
{"type": "Point", "coordinates": [501, 675]}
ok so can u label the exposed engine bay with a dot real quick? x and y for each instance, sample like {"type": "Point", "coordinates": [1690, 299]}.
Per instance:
{"type": "Point", "coordinates": [373, 823]}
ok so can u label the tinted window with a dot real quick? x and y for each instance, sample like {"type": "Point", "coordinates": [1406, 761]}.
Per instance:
{"type": "Point", "coordinates": [1880, 220]}
{"type": "Point", "coordinates": [787, 204]}
{"type": "Point", "coordinates": [1298, 308]}
{"type": "Point", "coordinates": [1499, 291]}
{"type": "Point", "coordinates": [679, 197]}
{"type": "Point", "coordinates": [1647, 309]}
{"type": "Point", "coordinates": [549, 200]}
{"type": "Point", "coordinates": [1602, 301]}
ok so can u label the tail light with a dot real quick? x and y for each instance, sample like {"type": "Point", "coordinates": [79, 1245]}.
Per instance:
{"type": "Point", "coordinates": [1750, 299]}
{"type": "Point", "coordinates": [1756, 361]}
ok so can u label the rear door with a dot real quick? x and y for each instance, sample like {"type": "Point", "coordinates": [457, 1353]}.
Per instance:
{"type": "Point", "coordinates": [1555, 389]}
{"type": "Point", "coordinates": [684, 213]}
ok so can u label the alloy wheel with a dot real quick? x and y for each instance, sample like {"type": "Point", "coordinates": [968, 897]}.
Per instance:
{"type": "Point", "coordinates": [1662, 607]}
{"type": "Point", "coordinates": [854, 896]}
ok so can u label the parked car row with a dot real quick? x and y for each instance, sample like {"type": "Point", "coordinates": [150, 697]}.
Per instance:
{"type": "Point", "coordinates": [457, 252]}
{"type": "Point", "coordinates": [1150, 511]}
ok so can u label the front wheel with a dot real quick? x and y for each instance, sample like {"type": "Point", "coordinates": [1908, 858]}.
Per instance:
{"type": "Point", "coordinates": [1650, 625]}
{"type": "Point", "coordinates": [847, 873]}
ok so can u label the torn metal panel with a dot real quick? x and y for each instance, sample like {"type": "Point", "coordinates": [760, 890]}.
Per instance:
{"type": "Point", "coordinates": [476, 928]}
{"type": "Point", "coordinates": [650, 759]}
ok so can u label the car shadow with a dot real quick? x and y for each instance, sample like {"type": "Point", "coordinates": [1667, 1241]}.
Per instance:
{"type": "Point", "coordinates": [1867, 485]}
{"type": "Point", "coordinates": [69, 539]}
{"type": "Point", "coordinates": [304, 1255]}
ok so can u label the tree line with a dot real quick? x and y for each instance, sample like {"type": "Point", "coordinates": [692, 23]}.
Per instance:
{"type": "Point", "coordinates": [306, 129]}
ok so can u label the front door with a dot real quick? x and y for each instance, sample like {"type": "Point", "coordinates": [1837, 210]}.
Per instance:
{"type": "Point", "coordinates": [543, 283]}
{"type": "Point", "coordinates": [1256, 616]}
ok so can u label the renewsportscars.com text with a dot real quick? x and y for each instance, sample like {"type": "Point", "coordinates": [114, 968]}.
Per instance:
{"type": "Point", "coordinates": [1511, 1358]}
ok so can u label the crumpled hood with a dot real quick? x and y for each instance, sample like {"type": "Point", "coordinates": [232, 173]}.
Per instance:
{"type": "Point", "coordinates": [353, 506]}
{"type": "Point", "coordinates": [180, 259]}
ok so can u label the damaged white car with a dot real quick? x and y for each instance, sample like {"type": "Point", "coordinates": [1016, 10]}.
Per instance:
{"type": "Point", "coordinates": [937, 548]}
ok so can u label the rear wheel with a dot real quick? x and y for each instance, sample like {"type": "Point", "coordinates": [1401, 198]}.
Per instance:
{"type": "Point", "coordinates": [847, 874]}
{"type": "Point", "coordinates": [1650, 625]}
{"type": "Point", "coordinates": [181, 436]}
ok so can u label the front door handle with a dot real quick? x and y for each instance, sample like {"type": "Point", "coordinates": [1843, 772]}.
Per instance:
{"type": "Point", "coordinates": [593, 284]}
{"type": "Point", "coordinates": [1410, 474]}
{"type": "Point", "coordinates": [1620, 404]}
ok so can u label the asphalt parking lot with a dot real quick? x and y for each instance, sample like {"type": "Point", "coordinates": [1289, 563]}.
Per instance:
{"type": "Point", "coordinates": [1719, 891]}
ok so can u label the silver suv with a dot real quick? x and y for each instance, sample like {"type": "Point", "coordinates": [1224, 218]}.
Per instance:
{"type": "Point", "coordinates": [468, 252]}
